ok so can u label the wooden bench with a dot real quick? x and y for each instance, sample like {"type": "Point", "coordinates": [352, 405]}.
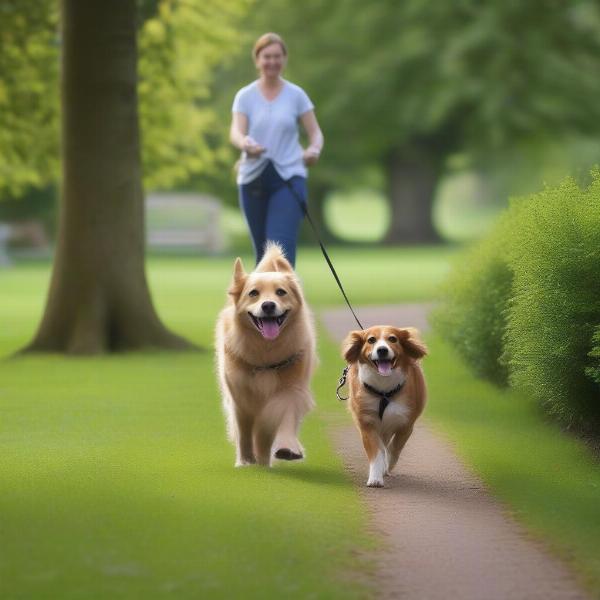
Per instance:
{"type": "Point", "coordinates": [26, 236]}
{"type": "Point", "coordinates": [183, 221]}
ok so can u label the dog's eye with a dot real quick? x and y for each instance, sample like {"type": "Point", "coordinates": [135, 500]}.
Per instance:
{"type": "Point", "coordinates": [372, 340]}
{"type": "Point", "coordinates": [253, 293]}
{"type": "Point", "coordinates": [280, 292]}
{"type": "Point", "coordinates": [393, 339]}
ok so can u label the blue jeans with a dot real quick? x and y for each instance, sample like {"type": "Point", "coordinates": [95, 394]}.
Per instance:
{"type": "Point", "coordinates": [272, 212]}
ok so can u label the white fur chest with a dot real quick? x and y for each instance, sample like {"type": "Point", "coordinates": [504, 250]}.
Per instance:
{"type": "Point", "coordinates": [385, 383]}
{"type": "Point", "coordinates": [397, 412]}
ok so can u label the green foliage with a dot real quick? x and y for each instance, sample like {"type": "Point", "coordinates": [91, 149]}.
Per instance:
{"type": "Point", "coordinates": [29, 95]}
{"type": "Point", "coordinates": [526, 299]}
{"type": "Point", "coordinates": [555, 256]}
{"type": "Point", "coordinates": [445, 75]}
{"type": "Point", "coordinates": [38, 204]}
{"type": "Point", "coordinates": [475, 298]}
{"type": "Point", "coordinates": [180, 46]}
{"type": "Point", "coordinates": [594, 370]}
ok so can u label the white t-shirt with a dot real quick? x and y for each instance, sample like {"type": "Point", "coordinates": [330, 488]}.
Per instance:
{"type": "Point", "coordinates": [274, 125]}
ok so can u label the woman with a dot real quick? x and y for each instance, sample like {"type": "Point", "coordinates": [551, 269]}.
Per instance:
{"type": "Point", "coordinates": [265, 128]}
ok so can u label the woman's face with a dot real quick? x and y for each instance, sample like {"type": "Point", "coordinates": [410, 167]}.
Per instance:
{"type": "Point", "coordinates": [271, 60]}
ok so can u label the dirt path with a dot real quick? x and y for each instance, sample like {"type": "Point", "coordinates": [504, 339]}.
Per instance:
{"type": "Point", "coordinates": [445, 536]}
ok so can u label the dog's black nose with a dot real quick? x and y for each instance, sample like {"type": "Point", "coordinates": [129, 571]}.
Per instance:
{"type": "Point", "coordinates": [381, 351]}
{"type": "Point", "coordinates": [268, 307]}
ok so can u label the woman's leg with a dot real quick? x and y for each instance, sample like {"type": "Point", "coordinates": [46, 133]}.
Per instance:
{"type": "Point", "coordinates": [254, 202]}
{"type": "Point", "coordinates": [285, 216]}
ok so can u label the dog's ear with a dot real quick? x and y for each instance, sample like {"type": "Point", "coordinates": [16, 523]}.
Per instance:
{"type": "Point", "coordinates": [239, 278]}
{"type": "Point", "coordinates": [282, 265]}
{"type": "Point", "coordinates": [295, 289]}
{"type": "Point", "coordinates": [411, 342]}
{"type": "Point", "coordinates": [352, 345]}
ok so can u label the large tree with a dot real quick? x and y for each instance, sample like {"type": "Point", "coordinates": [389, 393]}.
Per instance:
{"type": "Point", "coordinates": [99, 299]}
{"type": "Point", "coordinates": [408, 83]}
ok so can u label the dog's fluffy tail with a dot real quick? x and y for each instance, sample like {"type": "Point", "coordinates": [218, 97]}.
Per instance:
{"type": "Point", "coordinates": [273, 259]}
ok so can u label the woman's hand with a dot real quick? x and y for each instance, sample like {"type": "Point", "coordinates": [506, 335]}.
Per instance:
{"type": "Point", "coordinates": [315, 138]}
{"type": "Point", "coordinates": [251, 147]}
{"type": "Point", "coordinates": [239, 138]}
{"type": "Point", "coordinates": [311, 155]}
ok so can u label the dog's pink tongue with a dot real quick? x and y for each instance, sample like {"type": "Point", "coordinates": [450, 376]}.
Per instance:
{"type": "Point", "coordinates": [269, 329]}
{"type": "Point", "coordinates": [384, 367]}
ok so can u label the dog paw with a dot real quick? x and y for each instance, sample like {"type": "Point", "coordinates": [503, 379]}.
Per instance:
{"type": "Point", "coordinates": [245, 462]}
{"type": "Point", "coordinates": [377, 483]}
{"type": "Point", "coordinates": [287, 454]}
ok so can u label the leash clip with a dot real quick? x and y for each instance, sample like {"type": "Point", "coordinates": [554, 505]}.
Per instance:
{"type": "Point", "coordinates": [342, 383]}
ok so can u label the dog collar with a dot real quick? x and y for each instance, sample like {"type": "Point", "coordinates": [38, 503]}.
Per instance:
{"type": "Point", "coordinates": [384, 396]}
{"type": "Point", "coordinates": [276, 366]}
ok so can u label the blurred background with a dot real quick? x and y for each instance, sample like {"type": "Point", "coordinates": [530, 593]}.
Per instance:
{"type": "Point", "coordinates": [434, 114]}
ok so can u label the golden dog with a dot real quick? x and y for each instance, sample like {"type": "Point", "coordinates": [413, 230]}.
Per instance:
{"type": "Point", "coordinates": [386, 392]}
{"type": "Point", "coordinates": [265, 349]}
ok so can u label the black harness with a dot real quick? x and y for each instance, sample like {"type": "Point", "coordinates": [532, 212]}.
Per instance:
{"type": "Point", "coordinates": [384, 396]}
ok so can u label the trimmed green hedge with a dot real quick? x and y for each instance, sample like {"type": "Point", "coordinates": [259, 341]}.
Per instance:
{"type": "Point", "coordinates": [472, 315]}
{"type": "Point", "coordinates": [594, 370]}
{"type": "Point", "coordinates": [524, 305]}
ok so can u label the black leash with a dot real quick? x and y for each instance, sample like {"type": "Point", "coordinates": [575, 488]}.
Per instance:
{"type": "Point", "coordinates": [304, 207]}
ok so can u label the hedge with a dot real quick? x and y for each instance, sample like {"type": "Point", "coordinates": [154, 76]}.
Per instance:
{"type": "Point", "coordinates": [525, 303]}
{"type": "Point", "coordinates": [472, 314]}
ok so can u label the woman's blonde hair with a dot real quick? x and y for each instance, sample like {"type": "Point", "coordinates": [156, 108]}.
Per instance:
{"type": "Point", "coordinates": [266, 40]}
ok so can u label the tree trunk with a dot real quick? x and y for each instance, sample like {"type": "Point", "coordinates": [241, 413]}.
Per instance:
{"type": "Point", "coordinates": [413, 174]}
{"type": "Point", "coordinates": [99, 299]}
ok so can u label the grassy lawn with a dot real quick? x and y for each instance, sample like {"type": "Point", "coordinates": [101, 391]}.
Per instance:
{"type": "Point", "coordinates": [117, 480]}
{"type": "Point", "coordinates": [118, 483]}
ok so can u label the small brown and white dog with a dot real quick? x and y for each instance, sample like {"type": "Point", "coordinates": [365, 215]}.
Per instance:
{"type": "Point", "coordinates": [265, 351]}
{"type": "Point", "coordinates": [386, 392]}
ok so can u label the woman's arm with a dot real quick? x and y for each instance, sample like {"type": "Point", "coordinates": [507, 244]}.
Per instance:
{"type": "Point", "coordinates": [239, 138]}
{"type": "Point", "coordinates": [315, 137]}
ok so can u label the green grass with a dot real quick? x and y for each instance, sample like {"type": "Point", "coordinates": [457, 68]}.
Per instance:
{"type": "Point", "coordinates": [116, 477]}
{"type": "Point", "coordinates": [548, 480]}
{"type": "Point", "coordinates": [117, 480]}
